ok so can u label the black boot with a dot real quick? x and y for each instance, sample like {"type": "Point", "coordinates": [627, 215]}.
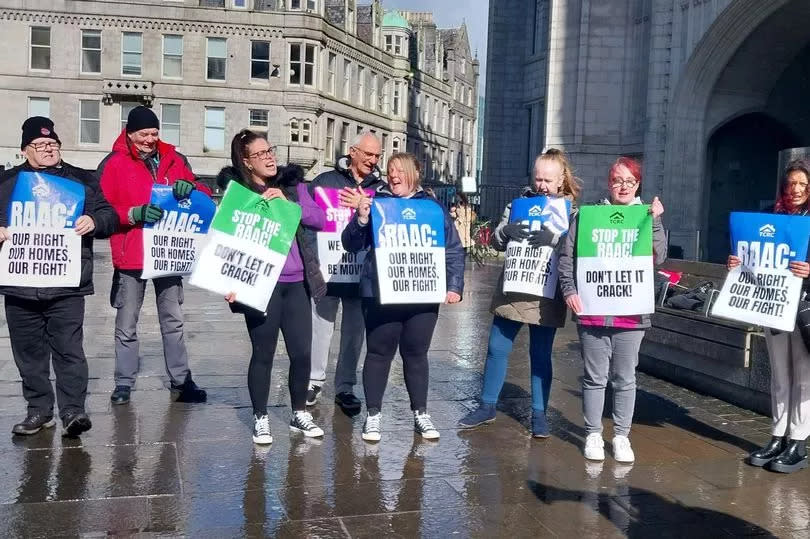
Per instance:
{"type": "Point", "coordinates": [33, 423]}
{"type": "Point", "coordinates": [763, 456]}
{"type": "Point", "coordinates": [188, 391]}
{"type": "Point", "coordinates": [792, 459]}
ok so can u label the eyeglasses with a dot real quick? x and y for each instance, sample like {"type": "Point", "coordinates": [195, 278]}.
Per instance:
{"type": "Point", "coordinates": [367, 155]}
{"type": "Point", "coordinates": [801, 185]}
{"type": "Point", "coordinates": [264, 154]}
{"type": "Point", "coordinates": [43, 147]}
{"type": "Point", "coordinates": [618, 182]}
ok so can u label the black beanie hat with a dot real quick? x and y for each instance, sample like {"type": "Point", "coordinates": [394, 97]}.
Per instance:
{"type": "Point", "coordinates": [141, 118]}
{"type": "Point", "coordinates": [37, 127]}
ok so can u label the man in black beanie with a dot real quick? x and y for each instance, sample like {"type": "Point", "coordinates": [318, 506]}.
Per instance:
{"type": "Point", "coordinates": [45, 324]}
{"type": "Point", "coordinates": [138, 161]}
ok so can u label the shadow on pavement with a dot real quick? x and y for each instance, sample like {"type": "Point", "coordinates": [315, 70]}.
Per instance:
{"type": "Point", "coordinates": [651, 514]}
{"type": "Point", "coordinates": [656, 411]}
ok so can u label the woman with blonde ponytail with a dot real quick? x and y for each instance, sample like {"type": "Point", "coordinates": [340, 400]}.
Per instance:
{"type": "Point", "coordinates": [552, 177]}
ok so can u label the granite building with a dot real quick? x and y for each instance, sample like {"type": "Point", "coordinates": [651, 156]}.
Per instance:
{"type": "Point", "coordinates": [707, 93]}
{"type": "Point", "coordinates": [312, 73]}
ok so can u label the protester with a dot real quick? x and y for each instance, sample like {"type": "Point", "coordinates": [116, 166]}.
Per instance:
{"type": "Point", "coordinates": [407, 326]}
{"type": "Point", "coordinates": [788, 353]}
{"type": "Point", "coordinates": [353, 173]}
{"type": "Point", "coordinates": [254, 166]}
{"type": "Point", "coordinates": [463, 217]}
{"type": "Point", "coordinates": [138, 161]}
{"type": "Point", "coordinates": [610, 344]}
{"type": "Point", "coordinates": [552, 176]}
{"type": "Point", "coordinates": [46, 324]}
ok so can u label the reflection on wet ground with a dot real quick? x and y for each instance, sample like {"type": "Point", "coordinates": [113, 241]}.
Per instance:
{"type": "Point", "coordinates": [156, 468]}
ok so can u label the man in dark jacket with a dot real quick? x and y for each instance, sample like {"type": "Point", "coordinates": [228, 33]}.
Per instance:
{"type": "Point", "coordinates": [353, 173]}
{"type": "Point", "coordinates": [46, 322]}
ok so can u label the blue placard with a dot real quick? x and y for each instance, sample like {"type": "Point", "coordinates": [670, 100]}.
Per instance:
{"type": "Point", "coordinates": [191, 215]}
{"type": "Point", "coordinates": [44, 200]}
{"type": "Point", "coordinates": [763, 290]}
{"type": "Point", "coordinates": [769, 240]}
{"type": "Point", "coordinates": [542, 212]}
{"type": "Point", "coordinates": [409, 246]}
{"type": "Point", "coordinates": [406, 222]}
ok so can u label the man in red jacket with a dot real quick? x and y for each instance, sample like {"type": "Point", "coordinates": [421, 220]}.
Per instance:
{"type": "Point", "coordinates": [139, 160]}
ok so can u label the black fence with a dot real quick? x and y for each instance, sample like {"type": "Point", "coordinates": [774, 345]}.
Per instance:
{"type": "Point", "coordinates": [492, 199]}
{"type": "Point", "coordinates": [488, 202]}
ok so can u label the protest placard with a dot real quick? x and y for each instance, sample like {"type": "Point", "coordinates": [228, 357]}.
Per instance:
{"type": "Point", "coordinates": [615, 260]}
{"type": "Point", "coordinates": [44, 249]}
{"type": "Point", "coordinates": [762, 290]}
{"type": "Point", "coordinates": [530, 270]}
{"type": "Point", "coordinates": [409, 250]}
{"type": "Point", "coordinates": [248, 243]}
{"type": "Point", "coordinates": [337, 265]}
{"type": "Point", "coordinates": [171, 245]}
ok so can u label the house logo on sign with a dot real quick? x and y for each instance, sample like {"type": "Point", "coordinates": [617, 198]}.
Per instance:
{"type": "Point", "coordinates": [408, 214]}
{"type": "Point", "coordinates": [767, 231]}
{"type": "Point", "coordinates": [535, 211]}
{"type": "Point", "coordinates": [616, 218]}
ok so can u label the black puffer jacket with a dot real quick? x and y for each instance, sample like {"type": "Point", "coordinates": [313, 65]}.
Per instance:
{"type": "Point", "coordinates": [357, 237]}
{"type": "Point", "coordinates": [287, 179]}
{"type": "Point", "coordinates": [338, 179]}
{"type": "Point", "coordinates": [95, 205]}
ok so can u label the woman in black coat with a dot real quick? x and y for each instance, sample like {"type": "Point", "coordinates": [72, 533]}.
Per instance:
{"type": "Point", "coordinates": [407, 326]}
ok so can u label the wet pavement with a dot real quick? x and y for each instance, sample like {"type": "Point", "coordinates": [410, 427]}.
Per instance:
{"type": "Point", "coordinates": [154, 468]}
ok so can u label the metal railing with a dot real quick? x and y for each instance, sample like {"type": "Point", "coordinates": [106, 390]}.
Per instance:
{"type": "Point", "coordinates": [494, 198]}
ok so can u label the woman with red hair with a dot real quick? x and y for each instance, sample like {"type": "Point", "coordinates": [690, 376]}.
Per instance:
{"type": "Point", "coordinates": [610, 344]}
{"type": "Point", "coordinates": [789, 358]}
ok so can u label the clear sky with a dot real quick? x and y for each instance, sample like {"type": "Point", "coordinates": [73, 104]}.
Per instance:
{"type": "Point", "coordinates": [451, 13]}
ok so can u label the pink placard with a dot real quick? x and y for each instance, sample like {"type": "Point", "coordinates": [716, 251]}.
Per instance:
{"type": "Point", "coordinates": [337, 216]}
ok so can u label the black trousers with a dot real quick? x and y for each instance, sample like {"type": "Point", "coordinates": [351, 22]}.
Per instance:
{"type": "Point", "coordinates": [289, 310]}
{"type": "Point", "coordinates": [409, 327]}
{"type": "Point", "coordinates": [42, 331]}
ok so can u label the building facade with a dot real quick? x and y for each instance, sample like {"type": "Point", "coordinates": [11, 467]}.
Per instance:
{"type": "Point", "coordinates": [312, 73]}
{"type": "Point", "coordinates": [706, 93]}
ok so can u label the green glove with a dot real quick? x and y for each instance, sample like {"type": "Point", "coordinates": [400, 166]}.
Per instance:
{"type": "Point", "coordinates": [148, 213]}
{"type": "Point", "coordinates": [182, 189]}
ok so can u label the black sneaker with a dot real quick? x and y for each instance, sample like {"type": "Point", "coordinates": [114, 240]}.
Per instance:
{"type": "Point", "coordinates": [120, 395]}
{"type": "Point", "coordinates": [348, 402]}
{"type": "Point", "coordinates": [188, 391]}
{"type": "Point", "coordinates": [261, 430]}
{"type": "Point", "coordinates": [312, 395]}
{"type": "Point", "coordinates": [33, 423]}
{"type": "Point", "coordinates": [301, 421]}
{"type": "Point", "coordinates": [75, 423]}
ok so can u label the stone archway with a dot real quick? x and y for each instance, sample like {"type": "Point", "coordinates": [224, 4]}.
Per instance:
{"type": "Point", "coordinates": [732, 71]}
{"type": "Point", "coordinates": [742, 162]}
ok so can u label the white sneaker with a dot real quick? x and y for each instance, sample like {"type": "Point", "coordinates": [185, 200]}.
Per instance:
{"type": "Point", "coordinates": [622, 451]}
{"type": "Point", "coordinates": [302, 422]}
{"type": "Point", "coordinates": [261, 430]}
{"type": "Point", "coordinates": [594, 447]}
{"type": "Point", "coordinates": [424, 426]}
{"type": "Point", "coordinates": [371, 427]}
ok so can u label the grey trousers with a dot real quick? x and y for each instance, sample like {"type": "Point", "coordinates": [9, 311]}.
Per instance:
{"type": "Point", "coordinates": [352, 337]}
{"type": "Point", "coordinates": [126, 296]}
{"type": "Point", "coordinates": [609, 353]}
{"type": "Point", "coordinates": [790, 384]}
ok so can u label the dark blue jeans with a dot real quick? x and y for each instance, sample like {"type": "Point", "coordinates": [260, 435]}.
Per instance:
{"type": "Point", "coordinates": [501, 338]}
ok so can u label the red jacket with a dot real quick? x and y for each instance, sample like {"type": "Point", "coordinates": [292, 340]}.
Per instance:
{"type": "Point", "coordinates": [126, 182]}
